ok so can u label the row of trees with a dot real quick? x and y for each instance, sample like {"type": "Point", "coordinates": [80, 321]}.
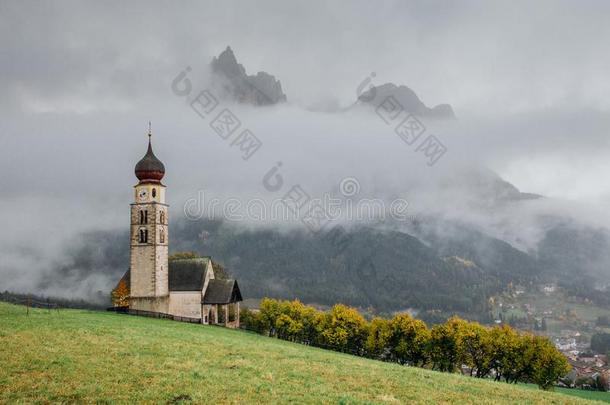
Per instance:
{"type": "Point", "coordinates": [499, 352]}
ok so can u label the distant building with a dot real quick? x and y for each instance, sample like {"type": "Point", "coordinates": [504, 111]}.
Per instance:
{"type": "Point", "coordinates": [549, 288]}
{"type": "Point", "coordinates": [565, 344]}
{"type": "Point", "coordinates": [185, 288]}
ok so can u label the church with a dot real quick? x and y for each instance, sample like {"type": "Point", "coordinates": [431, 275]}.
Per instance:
{"type": "Point", "coordinates": [181, 289]}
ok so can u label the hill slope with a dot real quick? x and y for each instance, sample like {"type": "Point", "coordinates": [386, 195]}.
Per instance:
{"type": "Point", "coordinates": [82, 356]}
{"type": "Point", "coordinates": [387, 270]}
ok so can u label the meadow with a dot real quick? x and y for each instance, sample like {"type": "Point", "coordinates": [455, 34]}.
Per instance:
{"type": "Point", "coordinates": [78, 356]}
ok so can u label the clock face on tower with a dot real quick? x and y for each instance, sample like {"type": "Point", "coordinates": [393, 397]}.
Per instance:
{"type": "Point", "coordinates": [142, 195]}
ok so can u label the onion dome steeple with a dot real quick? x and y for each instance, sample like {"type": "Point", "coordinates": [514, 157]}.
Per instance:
{"type": "Point", "coordinates": [150, 169]}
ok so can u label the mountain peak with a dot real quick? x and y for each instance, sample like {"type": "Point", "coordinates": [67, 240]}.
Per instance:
{"type": "Point", "coordinates": [259, 89]}
{"type": "Point", "coordinates": [407, 98]}
{"type": "Point", "coordinates": [226, 63]}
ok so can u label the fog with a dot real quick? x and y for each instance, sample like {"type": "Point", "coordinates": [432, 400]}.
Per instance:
{"type": "Point", "coordinates": [82, 80]}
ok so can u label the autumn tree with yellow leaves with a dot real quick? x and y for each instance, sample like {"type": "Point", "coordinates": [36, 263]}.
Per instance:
{"type": "Point", "coordinates": [499, 352]}
{"type": "Point", "coordinates": [120, 295]}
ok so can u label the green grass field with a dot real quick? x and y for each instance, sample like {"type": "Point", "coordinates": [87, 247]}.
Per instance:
{"type": "Point", "coordinates": [95, 357]}
{"type": "Point", "coordinates": [591, 395]}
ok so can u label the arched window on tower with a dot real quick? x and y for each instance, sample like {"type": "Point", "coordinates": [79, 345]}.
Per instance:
{"type": "Point", "coordinates": [143, 236]}
{"type": "Point", "coordinates": [143, 216]}
{"type": "Point", "coordinates": [162, 217]}
{"type": "Point", "coordinates": [162, 236]}
{"type": "Point", "coordinates": [154, 192]}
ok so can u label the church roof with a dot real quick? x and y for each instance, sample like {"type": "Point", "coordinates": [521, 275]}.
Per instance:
{"type": "Point", "coordinates": [187, 274]}
{"type": "Point", "coordinates": [222, 292]}
{"type": "Point", "coordinates": [190, 275]}
{"type": "Point", "coordinates": [150, 168]}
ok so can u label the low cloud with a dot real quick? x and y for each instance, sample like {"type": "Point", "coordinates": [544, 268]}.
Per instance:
{"type": "Point", "coordinates": [79, 92]}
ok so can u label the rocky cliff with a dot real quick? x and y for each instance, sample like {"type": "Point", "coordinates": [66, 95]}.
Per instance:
{"type": "Point", "coordinates": [407, 99]}
{"type": "Point", "coordinates": [260, 89]}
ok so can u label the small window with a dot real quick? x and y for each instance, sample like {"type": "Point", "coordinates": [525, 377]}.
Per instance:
{"type": "Point", "coordinates": [143, 236]}
{"type": "Point", "coordinates": [143, 216]}
{"type": "Point", "coordinates": [162, 217]}
{"type": "Point", "coordinates": [154, 192]}
{"type": "Point", "coordinates": [162, 236]}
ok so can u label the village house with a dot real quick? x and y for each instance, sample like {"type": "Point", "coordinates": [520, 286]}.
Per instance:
{"type": "Point", "coordinates": [183, 289]}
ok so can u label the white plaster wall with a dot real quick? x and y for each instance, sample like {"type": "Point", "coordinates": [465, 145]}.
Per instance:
{"type": "Point", "coordinates": [153, 304]}
{"type": "Point", "coordinates": [187, 304]}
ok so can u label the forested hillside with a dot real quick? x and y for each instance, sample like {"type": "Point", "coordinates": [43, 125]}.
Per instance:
{"type": "Point", "coordinates": [436, 273]}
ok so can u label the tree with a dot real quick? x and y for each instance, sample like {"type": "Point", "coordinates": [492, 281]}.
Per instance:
{"type": "Point", "coordinates": [443, 349]}
{"type": "Point", "coordinates": [408, 340]}
{"type": "Point", "coordinates": [269, 312]}
{"type": "Point", "coordinates": [288, 328]}
{"type": "Point", "coordinates": [250, 320]}
{"type": "Point", "coordinates": [295, 322]}
{"type": "Point", "coordinates": [120, 295]}
{"type": "Point", "coordinates": [600, 342]}
{"type": "Point", "coordinates": [525, 358]}
{"type": "Point", "coordinates": [601, 382]}
{"type": "Point", "coordinates": [475, 348]}
{"type": "Point", "coordinates": [184, 255]}
{"type": "Point", "coordinates": [344, 329]}
{"type": "Point", "coordinates": [220, 271]}
{"type": "Point", "coordinates": [504, 352]}
{"type": "Point", "coordinates": [376, 344]}
{"type": "Point", "coordinates": [549, 364]}
{"type": "Point", "coordinates": [307, 317]}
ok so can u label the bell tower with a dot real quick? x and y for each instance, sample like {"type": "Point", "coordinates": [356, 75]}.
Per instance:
{"type": "Point", "coordinates": [149, 289]}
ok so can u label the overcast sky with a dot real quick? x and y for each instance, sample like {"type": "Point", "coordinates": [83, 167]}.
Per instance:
{"type": "Point", "coordinates": [530, 78]}
{"type": "Point", "coordinates": [528, 81]}
{"type": "Point", "coordinates": [482, 57]}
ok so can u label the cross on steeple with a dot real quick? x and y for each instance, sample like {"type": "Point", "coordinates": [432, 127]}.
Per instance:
{"type": "Point", "coordinates": [149, 130]}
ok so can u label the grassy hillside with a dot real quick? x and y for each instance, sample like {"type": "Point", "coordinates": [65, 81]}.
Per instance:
{"type": "Point", "coordinates": [83, 356]}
